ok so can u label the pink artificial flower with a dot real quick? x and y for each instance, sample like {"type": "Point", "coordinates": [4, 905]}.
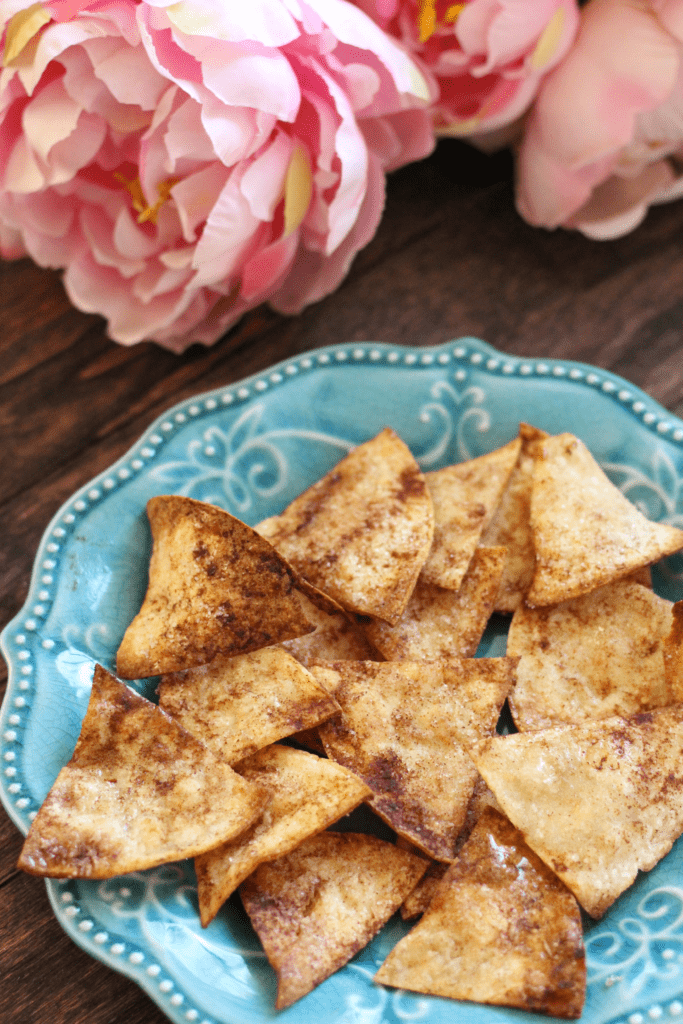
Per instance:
{"type": "Point", "coordinates": [488, 56]}
{"type": "Point", "coordinates": [186, 160]}
{"type": "Point", "coordinates": [605, 138]}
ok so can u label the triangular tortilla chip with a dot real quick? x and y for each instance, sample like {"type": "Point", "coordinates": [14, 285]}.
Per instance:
{"type": "Point", "coordinates": [405, 730]}
{"type": "Point", "coordinates": [464, 496]}
{"type": "Point", "coordinates": [586, 532]}
{"type": "Point", "coordinates": [307, 794]}
{"type": "Point", "coordinates": [138, 791]}
{"type": "Point", "coordinates": [511, 525]}
{"type": "Point", "coordinates": [316, 907]}
{"type": "Point", "coordinates": [336, 638]}
{"type": "Point", "coordinates": [597, 802]}
{"type": "Point", "coordinates": [439, 623]}
{"type": "Point", "coordinates": [238, 705]}
{"type": "Point", "coordinates": [215, 587]}
{"type": "Point", "coordinates": [597, 655]}
{"type": "Point", "coordinates": [363, 532]}
{"type": "Point", "coordinates": [501, 929]}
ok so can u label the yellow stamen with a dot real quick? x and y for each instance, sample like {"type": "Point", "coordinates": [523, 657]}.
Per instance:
{"type": "Point", "coordinates": [143, 209]}
{"type": "Point", "coordinates": [426, 19]}
{"type": "Point", "coordinates": [453, 13]}
{"type": "Point", "coordinates": [298, 189]}
{"type": "Point", "coordinates": [546, 47]}
{"type": "Point", "coordinates": [134, 188]}
{"type": "Point", "coordinates": [21, 29]}
{"type": "Point", "coordinates": [164, 190]}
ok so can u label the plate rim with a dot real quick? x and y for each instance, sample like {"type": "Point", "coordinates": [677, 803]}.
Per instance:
{"type": "Point", "coordinates": [467, 350]}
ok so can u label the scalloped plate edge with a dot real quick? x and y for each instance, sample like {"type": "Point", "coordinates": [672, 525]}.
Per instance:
{"type": "Point", "coordinates": [466, 351]}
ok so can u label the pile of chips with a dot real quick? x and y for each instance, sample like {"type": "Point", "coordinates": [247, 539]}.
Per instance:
{"type": "Point", "coordinates": [347, 627]}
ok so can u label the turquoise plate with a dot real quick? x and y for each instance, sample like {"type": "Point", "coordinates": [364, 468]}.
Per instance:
{"type": "Point", "coordinates": [251, 448]}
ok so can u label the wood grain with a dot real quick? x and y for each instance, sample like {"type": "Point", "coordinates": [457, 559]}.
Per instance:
{"type": "Point", "coordinates": [451, 258]}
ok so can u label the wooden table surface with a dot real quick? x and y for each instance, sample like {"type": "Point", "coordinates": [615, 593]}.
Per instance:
{"type": "Point", "coordinates": [451, 258]}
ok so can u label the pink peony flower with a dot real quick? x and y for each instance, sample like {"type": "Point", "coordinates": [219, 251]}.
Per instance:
{"type": "Point", "coordinates": [185, 160]}
{"type": "Point", "coordinates": [605, 138]}
{"type": "Point", "coordinates": [488, 56]}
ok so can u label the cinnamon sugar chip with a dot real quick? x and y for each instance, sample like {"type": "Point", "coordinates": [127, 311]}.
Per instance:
{"type": "Point", "coordinates": [464, 496]}
{"type": "Point", "coordinates": [511, 525]}
{"type": "Point", "coordinates": [673, 653]}
{"type": "Point", "coordinates": [363, 532]}
{"type": "Point", "coordinates": [500, 929]}
{"type": "Point", "coordinates": [598, 802]}
{"type": "Point", "coordinates": [238, 705]}
{"type": "Point", "coordinates": [406, 729]}
{"type": "Point", "coordinates": [597, 655]}
{"type": "Point", "coordinates": [586, 532]}
{"type": "Point", "coordinates": [138, 791]}
{"type": "Point", "coordinates": [215, 587]}
{"type": "Point", "coordinates": [317, 906]}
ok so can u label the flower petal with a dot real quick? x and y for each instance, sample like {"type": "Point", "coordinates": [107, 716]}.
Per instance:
{"type": "Point", "coordinates": [618, 205]}
{"type": "Point", "coordinates": [46, 212]}
{"type": "Point", "coordinates": [49, 118]}
{"type": "Point", "coordinates": [22, 27]}
{"type": "Point", "coordinates": [233, 132]}
{"type": "Point", "coordinates": [265, 270]}
{"type": "Point", "coordinates": [352, 26]}
{"type": "Point", "coordinates": [227, 236]}
{"type": "Point", "coordinates": [313, 275]}
{"type": "Point", "coordinates": [98, 232]}
{"type": "Point", "coordinates": [131, 242]}
{"type": "Point", "coordinates": [185, 137]}
{"type": "Point", "coordinates": [196, 195]}
{"type": "Point", "coordinates": [262, 20]}
{"type": "Point", "coordinates": [263, 181]}
{"type": "Point", "coordinates": [263, 80]}
{"type": "Point", "coordinates": [97, 289]}
{"type": "Point", "coordinates": [23, 172]}
{"type": "Point", "coordinates": [70, 155]}
{"type": "Point", "coordinates": [130, 77]}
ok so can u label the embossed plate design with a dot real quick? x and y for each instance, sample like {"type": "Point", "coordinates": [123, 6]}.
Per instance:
{"type": "Point", "coordinates": [251, 448]}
